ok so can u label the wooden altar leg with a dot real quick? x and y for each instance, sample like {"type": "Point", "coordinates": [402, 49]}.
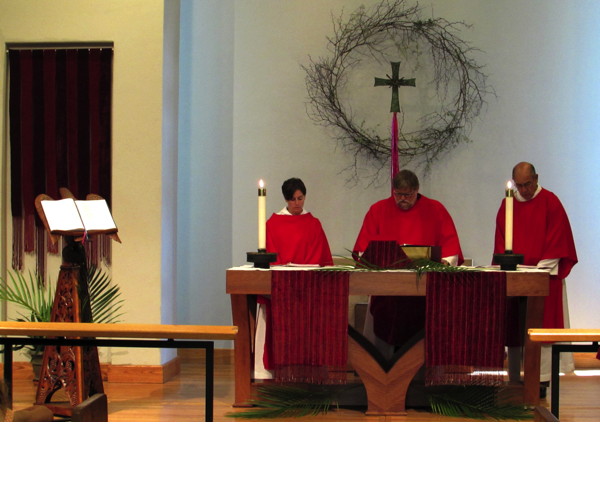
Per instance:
{"type": "Point", "coordinates": [74, 368]}
{"type": "Point", "coordinates": [244, 318]}
{"type": "Point", "coordinates": [386, 391]}
{"type": "Point", "coordinates": [531, 352]}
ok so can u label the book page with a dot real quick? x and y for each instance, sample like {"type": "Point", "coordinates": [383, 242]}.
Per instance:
{"type": "Point", "coordinates": [62, 215]}
{"type": "Point", "coordinates": [95, 215]}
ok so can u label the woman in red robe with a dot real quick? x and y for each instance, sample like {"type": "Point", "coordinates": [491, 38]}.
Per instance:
{"type": "Point", "coordinates": [297, 237]}
{"type": "Point", "coordinates": [294, 234]}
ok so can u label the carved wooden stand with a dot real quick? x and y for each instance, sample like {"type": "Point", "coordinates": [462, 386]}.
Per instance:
{"type": "Point", "coordinates": [74, 368]}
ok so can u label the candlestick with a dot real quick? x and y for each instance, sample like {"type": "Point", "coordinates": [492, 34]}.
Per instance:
{"type": "Point", "coordinates": [262, 215]}
{"type": "Point", "coordinates": [508, 229]}
{"type": "Point", "coordinates": [508, 260]}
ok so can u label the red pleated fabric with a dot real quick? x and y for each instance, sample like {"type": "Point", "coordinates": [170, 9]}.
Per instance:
{"type": "Point", "coordinates": [60, 136]}
{"type": "Point", "coordinates": [464, 333]}
{"type": "Point", "coordinates": [395, 319]}
{"type": "Point", "coordinates": [383, 255]}
{"type": "Point", "coordinates": [309, 325]}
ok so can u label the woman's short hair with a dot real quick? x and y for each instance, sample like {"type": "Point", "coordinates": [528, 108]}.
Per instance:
{"type": "Point", "coordinates": [289, 187]}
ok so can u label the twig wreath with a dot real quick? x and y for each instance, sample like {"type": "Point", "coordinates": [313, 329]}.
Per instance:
{"type": "Point", "coordinates": [458, 81]}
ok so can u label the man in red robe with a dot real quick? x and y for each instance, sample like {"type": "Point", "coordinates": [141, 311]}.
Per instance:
{"type": "Point", "coordinates": [297, 237]}
{"type": "Point", "coordinates": [294, 234]}
{"type": "Point", "coordinates": [409, 218]}
{"type": "Point", "coordinates": [542, 234]}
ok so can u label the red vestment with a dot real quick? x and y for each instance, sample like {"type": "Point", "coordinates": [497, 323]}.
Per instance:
{"type": "Point", "coordinates": [541, 230]}
{"type": "Point", "coordinates": [427, 223]}
{"type": "Point", "coordinates": [298, 239]}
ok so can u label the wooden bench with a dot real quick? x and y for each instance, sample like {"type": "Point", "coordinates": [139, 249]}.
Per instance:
{"type": "Point", "coordinates": [592, 337]}
{"type": "Point", "coordinates": [117, 335]}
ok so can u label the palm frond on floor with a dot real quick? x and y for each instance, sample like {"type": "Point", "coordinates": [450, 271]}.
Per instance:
{"type": "Point", "coordinates": [295, 401]}
{"type": "Point", "coordinates": [292, 401]}
{"type": "Point", "coordinates": [476, 402]}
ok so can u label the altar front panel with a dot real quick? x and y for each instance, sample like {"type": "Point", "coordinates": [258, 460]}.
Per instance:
{"type": "Point", "coordinates": [244, 283]}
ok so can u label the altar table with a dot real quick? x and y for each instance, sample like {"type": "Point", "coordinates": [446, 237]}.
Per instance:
{"type": "Point", "coordinates": [244, 283]}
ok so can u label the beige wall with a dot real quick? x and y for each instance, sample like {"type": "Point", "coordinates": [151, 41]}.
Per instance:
{"type": "Point", "coordinates": [136, 28]}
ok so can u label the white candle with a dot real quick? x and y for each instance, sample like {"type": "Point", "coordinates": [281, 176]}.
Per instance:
{"type": "Point", "coordinates": [262, 216]}
{"type": "Point", "coordinates": [508, 230]}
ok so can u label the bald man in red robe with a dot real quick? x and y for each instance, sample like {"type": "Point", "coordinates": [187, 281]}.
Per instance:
{"type": "Point", "coordinates": [409, 218]}
{"type": "Point", "coordinates": [542, 234]}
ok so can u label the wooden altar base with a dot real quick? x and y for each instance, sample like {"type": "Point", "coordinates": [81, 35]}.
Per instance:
{"type": "Point", "coordinates": [386, 383]}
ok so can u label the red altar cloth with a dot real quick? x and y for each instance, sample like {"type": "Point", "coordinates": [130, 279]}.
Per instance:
{"type": "Point", "coordinates": [309, 311]}
{"type": "Point", "coordinates": [465, 327]}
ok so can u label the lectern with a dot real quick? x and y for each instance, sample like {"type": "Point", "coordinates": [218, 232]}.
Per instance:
{"type": "Point", "coordinates": [74, 368]}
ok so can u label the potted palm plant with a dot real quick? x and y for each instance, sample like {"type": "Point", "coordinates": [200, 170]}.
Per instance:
{"type": "Point", "coordinates": [34, 300]}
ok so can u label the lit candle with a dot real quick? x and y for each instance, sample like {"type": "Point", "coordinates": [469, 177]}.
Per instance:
{"type": "Point", "coordinates": [508, 230]}
{"type": "Point", "coordinates": [262, 215]}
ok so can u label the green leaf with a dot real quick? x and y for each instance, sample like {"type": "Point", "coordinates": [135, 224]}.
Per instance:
{"type": "Point", "coordinates": [476, 402]}
{"type": "Point", "coordinates": [36, 300]}
{"type": "Point", "coordinates": [292, 401]}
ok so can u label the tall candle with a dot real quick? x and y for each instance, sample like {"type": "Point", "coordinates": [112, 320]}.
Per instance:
{"type": "Point", "coordinates": [508, 230]}
{"type": "Point", "coordinates": [262, 215]}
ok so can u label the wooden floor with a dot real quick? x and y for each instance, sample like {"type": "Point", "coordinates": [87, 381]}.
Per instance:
{"type": "Point", "coordinates": [181, 399]}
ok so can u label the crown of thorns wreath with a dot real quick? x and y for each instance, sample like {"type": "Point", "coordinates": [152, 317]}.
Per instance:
{"type": "Point", "coordinates": [454, 72]}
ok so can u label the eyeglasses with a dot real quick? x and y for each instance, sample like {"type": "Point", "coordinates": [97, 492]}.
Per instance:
{"type": "Point", "coordinates": [404, 195]}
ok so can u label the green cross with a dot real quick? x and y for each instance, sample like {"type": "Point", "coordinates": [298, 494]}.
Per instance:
{"type": "Point", "coordinates": [395, 81]}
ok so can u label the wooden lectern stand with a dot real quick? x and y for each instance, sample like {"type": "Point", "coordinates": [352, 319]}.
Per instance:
{"type": "Point", "coordinates": [74, 368]}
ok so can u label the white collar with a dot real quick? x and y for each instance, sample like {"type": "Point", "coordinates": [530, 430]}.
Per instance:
{"type": "Point", "coordinates": [284, 211]}
{"type": "Point", "coordinates": [520, 198]}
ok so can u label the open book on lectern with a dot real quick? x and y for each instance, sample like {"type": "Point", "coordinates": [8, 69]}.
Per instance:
{"type": "Point", "coordinates": [73, 216]}
{"type": "Point", "coordinates": [69, 216]}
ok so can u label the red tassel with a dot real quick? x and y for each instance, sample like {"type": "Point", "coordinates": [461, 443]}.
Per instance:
{"type": "Point", "coordinates": [40, 253]}
{"type": "Point", "coordinates": [17, 249]}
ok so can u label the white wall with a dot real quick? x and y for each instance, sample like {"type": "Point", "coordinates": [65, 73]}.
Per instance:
{"type": "Point", "coordinates": [242, 117]}
{"type": "Point", "coordinates": [540, 56]}
{"type": "Point", "coordinates": [136, 28]}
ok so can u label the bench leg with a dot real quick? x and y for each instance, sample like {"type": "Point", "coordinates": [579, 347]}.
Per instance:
{"type": "Point", "coordinates": [554, 390]}
{"type": "Point", "coordinates": [209, 392]}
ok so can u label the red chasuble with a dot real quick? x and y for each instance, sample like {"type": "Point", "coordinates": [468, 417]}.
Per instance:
{"type": "Point", "coordinates": [397, 320]}
{"type": "Point", "coordinates": [427, 223]}
{"type": "Point", "coordinates": [298, 239]}
{"type": "Point", "coordinates": [541, 230]}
